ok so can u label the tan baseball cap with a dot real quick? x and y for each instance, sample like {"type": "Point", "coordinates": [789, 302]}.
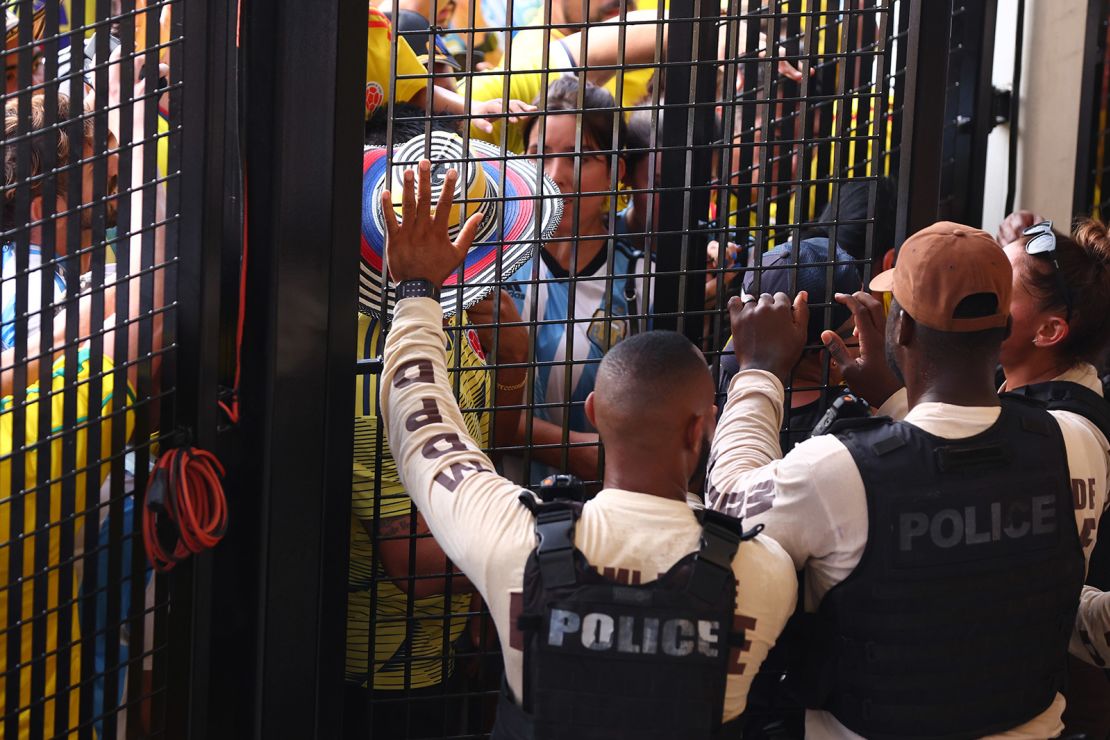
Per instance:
{"type": "Point", "coordinates": [940, 266]}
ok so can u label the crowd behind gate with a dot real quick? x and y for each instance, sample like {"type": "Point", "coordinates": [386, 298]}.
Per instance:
{"type": "Point", "coordinates": [867, 504]}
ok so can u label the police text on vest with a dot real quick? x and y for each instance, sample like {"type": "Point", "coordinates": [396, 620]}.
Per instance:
{"type": "Point", "coordinates": [630, 634]}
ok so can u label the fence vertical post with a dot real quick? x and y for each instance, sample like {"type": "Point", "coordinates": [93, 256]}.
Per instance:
{"type": "Point", "coordinates": [277, 660]}
{"type": "Point", "coordinates": [979, 80]}
{"type": "Point", "coordinates": [206, 72]}
{"type": "Point", "coordinates": [691, 80]}
{"type": "Point", "coordinates": [1092, 103]}
{"type": "Point", "coordinates": [920, 163]}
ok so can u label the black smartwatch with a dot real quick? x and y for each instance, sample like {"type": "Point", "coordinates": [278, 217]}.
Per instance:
{"type": "Point", "coordinates": [418, 288]}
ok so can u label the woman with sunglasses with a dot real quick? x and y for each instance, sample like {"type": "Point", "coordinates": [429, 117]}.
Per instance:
{"type": "Point", "coordinates": [1060, 311]}
{"type": "Point", "coordinates": [1060, 306]}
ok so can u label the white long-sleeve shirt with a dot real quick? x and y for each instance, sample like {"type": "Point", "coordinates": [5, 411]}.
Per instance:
{"type": "Point", "coordinates": [477, 519]}
{"type": "Point", "coordinates": [814, 503]}
{"type": "Point", "coordinates": [1091, 638]}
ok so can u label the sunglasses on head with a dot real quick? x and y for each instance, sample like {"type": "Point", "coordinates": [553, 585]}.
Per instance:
{"type": "Point", "coordinates": [1042, 243]}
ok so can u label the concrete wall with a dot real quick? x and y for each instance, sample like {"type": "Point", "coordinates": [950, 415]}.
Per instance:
{"type": "Point", "coordinates": [1048, 125]}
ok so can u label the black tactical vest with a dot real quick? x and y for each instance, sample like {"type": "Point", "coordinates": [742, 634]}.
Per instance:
{"type": "Point", "coordinates": [955, 623]}
{"type": "Point", "coordinates": [606, 660]}
{"type": "Point", "coordinates": [1061, 395]}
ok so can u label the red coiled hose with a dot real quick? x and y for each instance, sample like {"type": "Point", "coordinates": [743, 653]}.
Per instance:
{"type": "Point", "coordinates": [185, 510]}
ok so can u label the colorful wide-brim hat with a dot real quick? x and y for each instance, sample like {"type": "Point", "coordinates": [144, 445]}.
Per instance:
{"type": "Point", "coordinates": [522, 206]}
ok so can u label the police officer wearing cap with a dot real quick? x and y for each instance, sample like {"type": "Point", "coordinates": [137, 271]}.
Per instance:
{"type": "Point", "coordinates": [631, 615]}
{"type": "Point", "coordinates": [941, 550]}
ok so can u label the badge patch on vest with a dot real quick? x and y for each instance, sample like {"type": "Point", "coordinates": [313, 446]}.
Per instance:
{"type": "Point", "coordinates": [607, 329]}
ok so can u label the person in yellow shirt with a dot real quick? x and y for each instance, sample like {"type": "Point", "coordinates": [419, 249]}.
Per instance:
{"type": "Point", "coordinates": [66, 404]}
{"type": "Point", "coordinates": [410, 81]}
{"type": "Point", "coordinates": [409, 70]}
{"type": "Point", "coordinates": [21, 511]}
{"type": "Point", "coordinates": [404, 611]}
{"type": "Point", "coordinates": [528, 76]}
{"type": "Point", "coordinates": [402, 620]}
{"type": "Point", "coordinates": [606, 54]}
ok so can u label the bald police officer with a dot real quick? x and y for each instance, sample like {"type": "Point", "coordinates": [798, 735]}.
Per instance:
{"type": "Point", "coordinates": [942, 560]}
{"type": "Point", "coordinates": [631, 616]}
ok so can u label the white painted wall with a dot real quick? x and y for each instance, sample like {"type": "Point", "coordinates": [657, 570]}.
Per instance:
{"type": "Point", "coordinates": [1049, 122]}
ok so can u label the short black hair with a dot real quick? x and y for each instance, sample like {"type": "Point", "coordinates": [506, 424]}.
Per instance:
{"type": "Point", "coordinates": [648, 365]}
{"type": "Point", "coordinates": [409, 121]}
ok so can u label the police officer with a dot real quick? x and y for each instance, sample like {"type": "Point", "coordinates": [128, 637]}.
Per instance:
{"type": "Point", "coordinates": [1059, 311]}
{"type": "Point", "coordinates": [1060, 307]}
{"type": "Point", "coordinates": [629, 615]}
{"type": "Point", "coordinates": [942, 567]}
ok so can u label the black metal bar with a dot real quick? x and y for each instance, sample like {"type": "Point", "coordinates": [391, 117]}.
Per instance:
{"type": "Point", "coordinates": [899, 37]}
{"type": "Point", "coordinates": [43, 614]}
{"type": "Point", "coordinates": [1090, 105]}
{"type": "Point", "coordinates": [919, 176]}
{"type": "Point", "coordinates": [982, 119]}
{"type": "Point", "coordinates": [205, 74]}
{"type": "Point", "coordinates": [304, 112]}
{"type": "Point", "coordinates": [106, 635]}
{"type": "Point", "coordinates": [687, 159]}
{"type": "Point", "coordinates": [95, 399]}
{"type": "Point", "coordinates": [14, 536]}
{"type": "Point", "coordinates": [1015, 107]}
{"type": "Point", "coordinates": [71, 270]}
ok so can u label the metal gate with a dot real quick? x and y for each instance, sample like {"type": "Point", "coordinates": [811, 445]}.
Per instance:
{"type": "Point", "coordinates": [700, 153]}
{"type": "Point", "coordinates": [110, 354]}
{"type": "Point", "coordinates": [325, 598]}
{"type": "Point", "coordinates": [757, 125]}
{"type": "Point", "coordinates": [1092, 185]}
{"type": "Point", "coordinates": [90, 371]}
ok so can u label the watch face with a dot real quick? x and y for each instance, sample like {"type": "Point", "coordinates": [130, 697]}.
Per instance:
{"type": "Point", "coordinates": [416, 289]}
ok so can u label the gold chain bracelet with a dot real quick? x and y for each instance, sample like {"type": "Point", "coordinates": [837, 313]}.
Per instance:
{"type": "Point", "coordinates": [517, 387]}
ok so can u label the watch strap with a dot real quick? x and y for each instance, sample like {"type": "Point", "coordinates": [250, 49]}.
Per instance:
{"type": "Point", "coordinates": [418, 288]}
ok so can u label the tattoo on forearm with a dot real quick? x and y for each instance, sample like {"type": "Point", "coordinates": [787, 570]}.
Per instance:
{"type": "Point", "coordinates": [395, 526]}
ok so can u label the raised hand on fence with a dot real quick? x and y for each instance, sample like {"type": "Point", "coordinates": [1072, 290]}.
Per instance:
{"type": "Point", "coordinates": [868, 375]}
{"type": "Point", "coordinates": [769, 332]}
{"type": "Point", "coordinates": [713, 261]}
{"type": "Point", "coordinates": [483, 109]}
{"type": "Point", "coordinates": [419, 247]}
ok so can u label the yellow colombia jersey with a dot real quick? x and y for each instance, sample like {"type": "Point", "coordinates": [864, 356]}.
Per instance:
{"type": "Point", "coordinates": [376, 609]}
{"type": "Point", "coordinates": [377, 65]}
{"type": "Point", "coordinates": [526, 80]}
{"type": "Point", "coordinates": [49, 541]}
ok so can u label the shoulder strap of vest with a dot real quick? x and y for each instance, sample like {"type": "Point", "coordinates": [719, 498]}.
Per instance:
{"type": "Point", "coordinates": [633, 255]}
{"type": "Point", "coordinates": [554, 527]}
{"type": "Point", "coordinates": [868, 440]}
{"type": "Point", "coordinates": [849, 424]}
{"type": "Point", "coordinates": [1059, 395]}
{"type": "Point", "coordinates": [720, 538]}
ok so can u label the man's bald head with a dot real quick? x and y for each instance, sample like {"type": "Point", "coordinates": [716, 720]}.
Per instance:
{"type": "Point", "coordinates": [650, 386]}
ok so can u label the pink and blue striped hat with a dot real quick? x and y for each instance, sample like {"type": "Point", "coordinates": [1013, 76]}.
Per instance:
{"type": "Point", "coordinates": [522, 207]}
